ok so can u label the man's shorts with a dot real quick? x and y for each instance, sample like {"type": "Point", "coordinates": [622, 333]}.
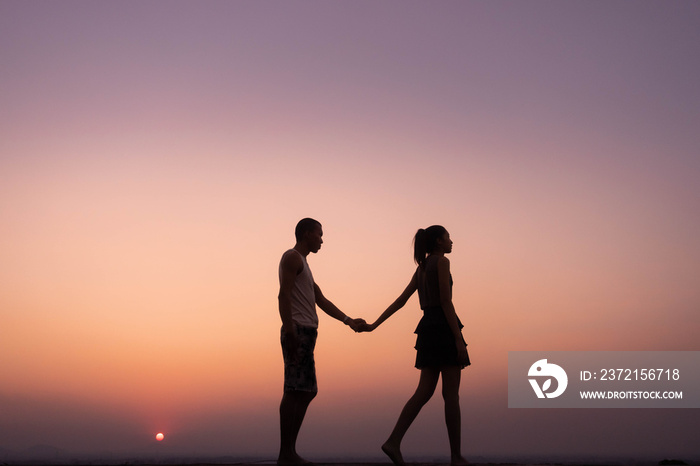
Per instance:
{"type": "Point", "coordinates": [300, 373]}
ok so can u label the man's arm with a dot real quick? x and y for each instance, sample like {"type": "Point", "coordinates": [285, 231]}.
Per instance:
{"type": "Point", "coordinates": [291, 265]}
{"type": "Point", "coordinates": [333, 311]}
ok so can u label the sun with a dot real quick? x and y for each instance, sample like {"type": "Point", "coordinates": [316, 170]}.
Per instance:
{"type": "Point", "coordinates": [160, 436]}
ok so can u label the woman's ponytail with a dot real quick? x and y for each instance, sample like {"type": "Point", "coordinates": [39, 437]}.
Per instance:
{"type": "Point", "coordinates": [425, 242]}
{"type": "Point", "coordinates": [419, 247]}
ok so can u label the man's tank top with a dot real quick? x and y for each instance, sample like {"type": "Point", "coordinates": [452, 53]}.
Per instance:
{"type": "Point", "coordinates": [303, 296]}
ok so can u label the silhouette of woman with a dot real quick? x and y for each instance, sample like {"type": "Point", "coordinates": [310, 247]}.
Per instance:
{"type": "Point", "coordinates": [441, 349]}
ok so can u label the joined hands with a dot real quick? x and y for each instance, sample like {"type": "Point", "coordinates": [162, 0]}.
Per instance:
{"type": "Point", "coordinates": [359, 326]}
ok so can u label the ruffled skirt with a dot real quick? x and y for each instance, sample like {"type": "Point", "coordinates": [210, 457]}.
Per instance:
{"type": "Point", "coordinates": [435, 344]}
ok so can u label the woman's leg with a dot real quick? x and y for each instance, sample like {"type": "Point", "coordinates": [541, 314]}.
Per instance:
{"type": "Point", "coordinates": [453, 417]}
{"type": "Point", "coordinates": [426, 387]}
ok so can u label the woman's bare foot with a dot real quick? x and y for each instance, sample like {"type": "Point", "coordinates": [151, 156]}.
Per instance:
{"type": "Point", "coordinates": [394, 453]}
{"type": "Point", "coordinates": [294, 460]}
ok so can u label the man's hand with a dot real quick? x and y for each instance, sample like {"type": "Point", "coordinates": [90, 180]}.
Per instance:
{"type": "Point", "coordinates": [357, 325]}
{"type": "Point", "coordinates": [365, 327]}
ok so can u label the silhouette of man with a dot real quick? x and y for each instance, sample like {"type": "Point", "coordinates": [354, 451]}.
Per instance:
{"type": "Point", "coordinates": [298, 297]}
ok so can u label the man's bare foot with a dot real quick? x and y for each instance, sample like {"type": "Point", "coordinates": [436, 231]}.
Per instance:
{"type": "Point", "coordinates": [293, 460]}
{"type": "Point", "coordinates": [393, 453]}
{"type": "Point", "coordinates": [459, 461]}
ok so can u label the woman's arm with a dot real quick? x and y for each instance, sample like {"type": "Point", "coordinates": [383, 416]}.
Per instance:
{"type": "Point", "coordinates": [445, 285]}
{"type": "Point", "coordinates": [399, 303]}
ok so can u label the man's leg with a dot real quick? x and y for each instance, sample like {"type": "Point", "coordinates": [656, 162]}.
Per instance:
{"type": "Point", "coordinates": [299, 389]}
{"type": "Point", "coordinates": [292, 412]}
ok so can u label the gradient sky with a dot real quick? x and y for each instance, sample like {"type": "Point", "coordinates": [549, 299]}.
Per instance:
{"type": "Point", "coordinates": [155, 157]}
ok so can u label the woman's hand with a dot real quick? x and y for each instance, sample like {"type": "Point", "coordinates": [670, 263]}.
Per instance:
{"type": "Point", "coordinates": [367, 327]}
{"type": "Point", "coordinates": [462, 355]}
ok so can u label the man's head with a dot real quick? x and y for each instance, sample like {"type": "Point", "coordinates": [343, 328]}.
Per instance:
{"type": "Point", "coordinates": [309, 231]}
